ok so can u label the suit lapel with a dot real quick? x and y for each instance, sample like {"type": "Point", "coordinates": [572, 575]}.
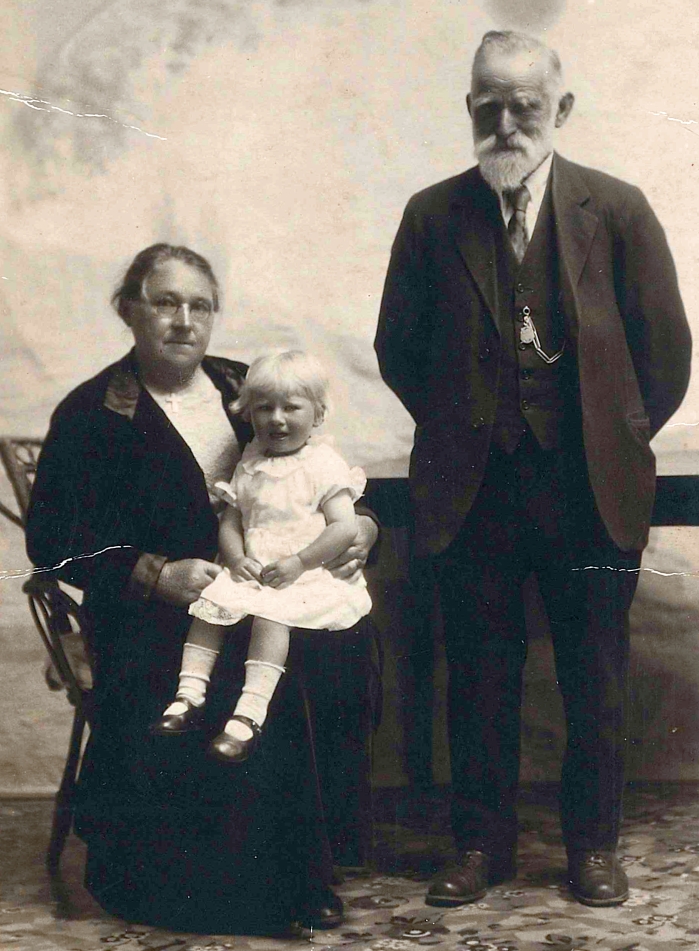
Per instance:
{"type": "Point", "coordinates": [575, 226]}
{"type": "Point", "coordinates": [474, 213]}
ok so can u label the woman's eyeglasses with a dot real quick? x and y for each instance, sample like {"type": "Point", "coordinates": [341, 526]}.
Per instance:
{"type": "Point", "coordinates": [169, 307]}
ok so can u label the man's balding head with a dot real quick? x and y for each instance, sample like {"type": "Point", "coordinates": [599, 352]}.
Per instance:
{"type": "Point", "coordinates": [511, 43]}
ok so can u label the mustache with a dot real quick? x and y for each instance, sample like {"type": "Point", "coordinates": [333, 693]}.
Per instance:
{"type": "Point", "coordinates": [492, 145]}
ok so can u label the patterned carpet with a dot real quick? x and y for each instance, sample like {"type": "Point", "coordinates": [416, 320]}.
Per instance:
{"type": "Point", "coordinates": [385, 908]}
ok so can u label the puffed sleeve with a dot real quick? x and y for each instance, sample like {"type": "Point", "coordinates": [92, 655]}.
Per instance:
{"type": "Point", "coordinates": [331, 475]}
{"type": "Point", "coordinates": [227, 492]}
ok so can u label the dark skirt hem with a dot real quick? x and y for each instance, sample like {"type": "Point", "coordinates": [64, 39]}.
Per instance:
{"type": "Point", "coordinates": [146, 903]}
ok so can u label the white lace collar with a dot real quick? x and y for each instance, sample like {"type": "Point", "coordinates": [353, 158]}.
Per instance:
{"type": "Point", "coordinates": [279, 467]}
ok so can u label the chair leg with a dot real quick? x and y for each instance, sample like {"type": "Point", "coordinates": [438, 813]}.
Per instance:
{"type": "Point", "coordinates": [63, 809]}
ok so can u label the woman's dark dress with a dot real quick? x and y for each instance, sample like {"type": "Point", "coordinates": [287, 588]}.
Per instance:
{"type": "Point", "coordinates": [173, 837]}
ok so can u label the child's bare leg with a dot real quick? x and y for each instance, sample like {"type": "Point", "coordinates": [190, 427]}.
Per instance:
{"type": "Point", "coordinates": [203, 634]}
{"type": "Point", "coordinates": [269, 642]}
{"type": "Point", "coordinates": [269, 648]}
{"type": "Point", "coordinates": [198, 659]}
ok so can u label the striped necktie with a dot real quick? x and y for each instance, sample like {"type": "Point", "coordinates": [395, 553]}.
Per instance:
{"type": "Point", "coordinates": [518, 198]}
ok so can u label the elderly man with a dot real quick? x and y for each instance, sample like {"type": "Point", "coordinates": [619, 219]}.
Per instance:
{"type": "Point", "coordinates": [532, 325]}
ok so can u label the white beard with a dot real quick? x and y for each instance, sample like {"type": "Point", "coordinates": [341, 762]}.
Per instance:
{"type": "Point", "coordinates": [505, 169]}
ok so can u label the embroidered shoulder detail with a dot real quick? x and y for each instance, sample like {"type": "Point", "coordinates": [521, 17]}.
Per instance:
{"type": "Point", "coordinates": [123, 389]}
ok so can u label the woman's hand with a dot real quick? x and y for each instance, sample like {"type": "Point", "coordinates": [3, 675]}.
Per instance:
{"type": "Point", "coordinates": [349, 564]}
{"type": "Point", "coordinates": [181, 582]}
{"type": "Point", "coordinates": [282, 573]}
{"type": "Point", "coordinates": [243, 568]}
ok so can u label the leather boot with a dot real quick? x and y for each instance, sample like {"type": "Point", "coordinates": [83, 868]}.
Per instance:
{"type": "Point", "coordinates": [596, 878]}
{"type": "Point", "coordinates": [469, 879]}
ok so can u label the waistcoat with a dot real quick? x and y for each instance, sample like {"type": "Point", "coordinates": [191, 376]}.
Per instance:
{"type": "Point", "coordinates": [531, 393]}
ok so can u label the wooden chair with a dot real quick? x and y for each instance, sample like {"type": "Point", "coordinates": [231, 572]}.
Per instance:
{"type": "Point", "coordinates": [62, 627]}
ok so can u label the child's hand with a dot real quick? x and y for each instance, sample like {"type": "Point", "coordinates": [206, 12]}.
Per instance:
{"type": "Point", "coordinates": [243, 568]}
{"type": "Point", "coordinates": [282, 573]}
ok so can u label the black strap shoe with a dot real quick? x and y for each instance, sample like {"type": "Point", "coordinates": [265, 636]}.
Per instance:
{"type": "Point", "coordinates": [176, 724]}
{"type": "Point", "coordinates": [229, 749]}
{"type": "Point", "coordinates": [596, 878]}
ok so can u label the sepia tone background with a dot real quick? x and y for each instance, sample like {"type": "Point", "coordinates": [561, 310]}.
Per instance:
{"type": "Point", "coordinates": [282, 138]}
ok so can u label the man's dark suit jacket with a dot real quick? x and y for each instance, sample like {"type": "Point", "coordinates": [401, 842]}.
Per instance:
{"type": "Point", "coordinates": [439, 347]}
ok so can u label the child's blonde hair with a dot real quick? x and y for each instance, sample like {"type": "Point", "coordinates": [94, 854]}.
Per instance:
{"type": "Point", "coordinates": [290, 372]}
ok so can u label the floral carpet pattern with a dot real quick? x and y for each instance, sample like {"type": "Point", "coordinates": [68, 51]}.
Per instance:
{"type": "Point", "coordinates": [385, 908]}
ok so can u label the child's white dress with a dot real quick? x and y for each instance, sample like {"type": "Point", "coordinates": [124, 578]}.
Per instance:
{"type": "Point", "coordinates": [281, 500]}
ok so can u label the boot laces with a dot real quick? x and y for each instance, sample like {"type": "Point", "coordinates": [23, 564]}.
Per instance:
{"type": "Point", "coordinates": [596, 860]}
{"type": "Point", "coordinates": [472, 859]}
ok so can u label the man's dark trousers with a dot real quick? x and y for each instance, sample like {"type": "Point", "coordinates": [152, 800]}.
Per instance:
{"type": "Point", "coordinates": [535, 512]}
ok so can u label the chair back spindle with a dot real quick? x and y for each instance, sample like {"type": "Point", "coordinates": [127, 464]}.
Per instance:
{"type": "Point", "coordinates": [62, 626]}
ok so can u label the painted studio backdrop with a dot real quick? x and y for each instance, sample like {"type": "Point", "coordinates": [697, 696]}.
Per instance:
{"type": "Point", "coordinates": [282, 138]}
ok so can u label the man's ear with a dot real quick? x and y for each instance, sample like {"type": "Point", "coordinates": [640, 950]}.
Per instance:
{"type": "Point", "coordinates": [468, 104]}
{"type": "Point", "coordinates": [565, 107]}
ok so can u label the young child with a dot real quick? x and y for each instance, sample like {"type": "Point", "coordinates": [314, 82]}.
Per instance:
{"type": "Point", "coordinates": [290, 511]}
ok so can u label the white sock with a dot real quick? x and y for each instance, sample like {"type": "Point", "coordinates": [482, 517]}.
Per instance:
{"type": "Point", "coordinates": [195, 673]}
{"type": "Point", "coordinates": [261, 679]}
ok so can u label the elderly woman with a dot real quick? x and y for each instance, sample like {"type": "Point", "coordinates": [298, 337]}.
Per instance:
{"type": "Point", "coordinates": [122, 503]}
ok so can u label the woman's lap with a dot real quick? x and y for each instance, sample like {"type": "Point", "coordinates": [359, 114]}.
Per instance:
{"type": "Point", "coordinates": [177, 839]}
